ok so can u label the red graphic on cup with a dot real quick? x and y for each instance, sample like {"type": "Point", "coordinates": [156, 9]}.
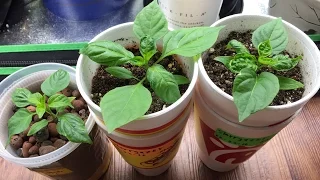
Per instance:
{"type": "Point", "coordinates": [225, 152]}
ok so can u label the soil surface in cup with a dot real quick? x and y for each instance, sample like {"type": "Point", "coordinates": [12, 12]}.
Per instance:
{"type": "Point", "coordinates": [103, 82]}
{"type": "Point", "coordinates": [47, 139]}
{"type": "Point", "coordinates": [224, 78]}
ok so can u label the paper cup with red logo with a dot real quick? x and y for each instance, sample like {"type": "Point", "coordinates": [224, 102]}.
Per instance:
{"type": "Point", "coordinates": [150, 142]}
{"type": "Point", "coordinates": [222, 144]}
{"type": "Point", "coordinates": [299, 44]}
{"type": "Point", "coordinates": [71, 161]}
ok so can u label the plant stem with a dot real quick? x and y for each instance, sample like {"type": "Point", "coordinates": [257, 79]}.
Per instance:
{"type": "Point", "coordinates": [51, 113]}
{"type": "Point", "coordinates": [142, 80]}
{"type": "Point", "coordinates": [160, 59]}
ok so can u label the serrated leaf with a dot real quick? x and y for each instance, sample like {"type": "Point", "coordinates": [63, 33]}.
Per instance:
{"type": "Point", "coordinates": [19, 122]}
{"type": "Point", "coordinates": [252, 92]}
{"type": "Point", "coordinates": [73, 128]}
{"type": "Point", "coordinates": [37, 127]}
{"type": "Point", "coordinates": [267, 61]}
{"type": "Point", "coordinates": [189, 42]}
{"type": "Point", "coordinates": [284, 62]}
{"type": "Point", "coordinates": [242, 61]}
{"type": "Point", "coordinates": [59, 101]}
{"type": "Point", "coordinates": [273, 31]}
{"type": "Point", "coordinates": [147, 48]}
{"type": "Point", "coordinates": [124, 104]}
{"type": "Point", "coordinates": [55, 83]}
{"type": "Point", "coordinates": [20, 97]}
{"type": "Point", "coordinates": [150, 21]}
{"type": "Point", "coordinates": [288, 83]}
{"type": "Point", "coordinates": [237, 46]}
{"type": "Point", "coordinates": [265, 49]}
{"type": "Point", "coordinates": [120, 72]}
{"type": "Point", "coordinates": [107, 53]}
{"type": "Point", "coordinates": [181, 79]}
{"type": "Point", "coordinates": [163, 83]}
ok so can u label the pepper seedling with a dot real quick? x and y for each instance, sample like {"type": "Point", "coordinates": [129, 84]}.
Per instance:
{"type": "Point", "coordinates": [125, 104]}
{"type": "Point", "coordinates": [69, 125]}
{"type": "Point", "coordinates": [253, 92]}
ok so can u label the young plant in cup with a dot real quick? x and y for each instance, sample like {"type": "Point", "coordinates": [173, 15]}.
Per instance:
{"type": "Point", "coordinates": [122, 105]}
{"type": "Point", "coordinates": [258, 73]}
{"type": "Point", "coordinates": [44, 121]}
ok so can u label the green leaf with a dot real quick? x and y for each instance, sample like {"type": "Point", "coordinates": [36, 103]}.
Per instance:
{"type": "Point", "coordinates": [137, 61]}
{"type": "Point", "coordinates": [150, 21]}
{"type": "Point", "coordinates": [267, 61]}
{"type": "Point", "coordinates": [163, 83]}
{"type": "Point", "coordinates": [237, 46]}
{"type": "Point", "coordinates": [265, 49]}
{"type": "Point", "coordinates": [284, 62]}
{"type": "Point", "coordinates": [59, 101]}
{"type": "Point", "coordinates": [37, 127]}
{"type": "Point", "coordinates": [181, 79]}
{"type": "Point", "coordinates": [73, 128]}
{"type": "Point", "coordinates": [107, 53]}
{"type": "Point", "coordinates": [242, 61]}
{"type": "Point", "coordinates": [289, 84]}
{"type": "Point", "coordinates": [40, 110]}
{"type": "Point", "coordinates": [147, 48]}
{"type": "Point", "coordinates": [252, 92]}
{"type": "Point", "coordinates": [19, 122]}
{"type": "Point", "coordinates": [55, 83]}
{"type": "Point", "coordinates": [189, 42]}
{"type": "Point", "coordinates": [273, 31]}
{"type": "Point", "coordinates": [224, 60]}
{"type": "Point", "coordinates": [20, 97]}
{"type": "Point", "coordinates": [71, 99]}
{"type": "Point", "coordinates": [35, 99]}
{"type": "Point", "coordinates": [124, 104]}
{"type": "Point", "coordinates": [120, 72]}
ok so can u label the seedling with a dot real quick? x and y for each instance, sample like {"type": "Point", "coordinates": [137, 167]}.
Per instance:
{"type": "Point", "coordinates": [251, 91]}
{"type": "Point", "coordinates": [125, 104]}
{"type": "Point", "coordinates": [69, 125]}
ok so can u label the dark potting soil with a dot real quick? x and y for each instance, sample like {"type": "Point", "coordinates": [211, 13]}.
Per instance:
{"type": "Point", "coordinates": [223, 77]}
{"type": "Point", "coordinates": [103, 82]}
{"type": "Point", "coordinates": [47, 139]}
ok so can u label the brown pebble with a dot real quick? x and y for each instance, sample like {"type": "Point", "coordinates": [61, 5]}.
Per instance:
{"type": "Point", "coordinates": [67, 92]}
{"type": "Point", "coordinates": [25, 153]}
{"type": "Point", "coordinates": [24, 134]}
{"type": "Point", "coordinates": [26, 145]}
{"type": "Point", "coordinates": [16, 141]}
{"type": "Point", "coordinates": [32, 140]}
{"type": "Point", "coordinates": [36, 118]}
{"type": "Point", "coordinates": [19, 152]}
{"type": "Point", "coordinates": [42, 135]}
{"type": "Point", "coordinates": [59, 143]}
{"type": "Point", "coordinates": [78, 105]}
{"type": "Point", "coordinates": [53, 129]}
{"type": "Point", "coordinates": [81, 99]}
{"type": "Point", "coordinates": [50, 118]}
{"type": "Point", "coordinates": [33, 150]}
{"type": "Point", "coordinates": [53, 139]}
{"type": "Point", "coordinates": [34, 155]}
{"type": "Point", "coordinates": [31, 109]}
{"type": "Point", "coordinates": [46, 143]}
{"type": "Point", "coordinates": [76, 93]}
{"type": "Point", "coordinates": [46, 149]}
{"type": "Point", "coordinates": [45, 116]}
{"type": "Point", "coordinates": [82, 113]}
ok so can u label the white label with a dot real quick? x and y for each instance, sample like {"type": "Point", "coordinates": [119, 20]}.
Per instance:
{"type": "Point", "coordinates": [190, 13]}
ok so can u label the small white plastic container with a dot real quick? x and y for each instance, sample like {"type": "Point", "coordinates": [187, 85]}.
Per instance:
{"type": "Point", "coordinates": [58, 163]}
